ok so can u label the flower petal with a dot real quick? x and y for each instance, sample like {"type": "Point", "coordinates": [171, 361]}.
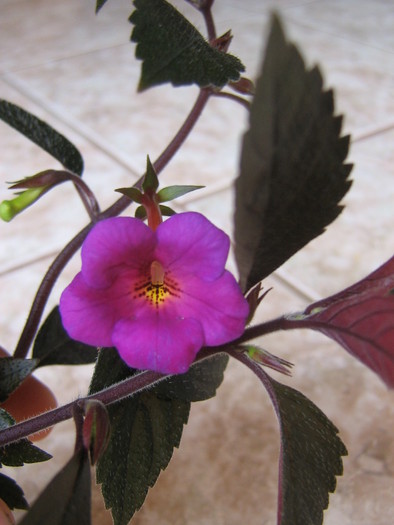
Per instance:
{"type": "Point", "coordinates": [89, 314]}
{"type": "Point", "coordinates": [188, 243]}
{"type": "Point", "coordinates": [164, 345]}
{"type": "Point", "coordinates": [219, 306]}
{"type": "Point", "coordinates": [112, 243]}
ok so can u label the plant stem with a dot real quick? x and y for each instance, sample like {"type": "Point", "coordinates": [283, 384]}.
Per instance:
{"type": "Point", "coordinates": [206, 11]}
{"type": "Point", "coordinates": [107, 396]}
{"type": "Point", "coordinates": [224, 94]}
{"type": "Point", "coordinates": [112, 394]}
{"type": "Point", "coordinates": [65, 255]}
{"type": "Point", "coordinates": [139, 382]}
{"type": "Point", "coordinates": [275, 325]}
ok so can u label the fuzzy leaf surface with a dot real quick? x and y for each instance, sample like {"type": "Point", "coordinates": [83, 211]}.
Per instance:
{"type": "Point", "coordinates": [53, 346]}
{"type": "Point", "coordinates": [172, 50]}
{"type": "Point", "coordinates": [43, 135]}
{"type": "Point", "coordinates": [12, 372]}
{"type": "Point", "coordinates": [66, 499]}
{"type": "Point", "coordinates": [22, 451]}
{"type": "Point", "coordinates": [145, 428]}
{"type": "Point", "coordinates": [12, 494]}
{"type": "Point", "coordinates": [292, 171]}
{"type": "Point", "coordinates": [310, 457]}
{"type": "Point", "coordinates": [361, 319]}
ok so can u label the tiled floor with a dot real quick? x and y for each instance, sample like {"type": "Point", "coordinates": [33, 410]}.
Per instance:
{"type": "Point", "coordinates": [77, 72]}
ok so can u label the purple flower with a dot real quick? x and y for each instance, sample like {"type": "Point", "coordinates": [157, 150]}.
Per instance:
{"type": "Point", "coordinates": [157, 296]}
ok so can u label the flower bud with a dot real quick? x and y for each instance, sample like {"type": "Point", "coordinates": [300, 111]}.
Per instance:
{"type": "Point", "coordinates": [9, 209]}
{"type": "Point", "coordinates": [95, 429]}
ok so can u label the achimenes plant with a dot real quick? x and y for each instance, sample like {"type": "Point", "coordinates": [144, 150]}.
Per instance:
{"type": "Point", "coordinates": [153, 305]}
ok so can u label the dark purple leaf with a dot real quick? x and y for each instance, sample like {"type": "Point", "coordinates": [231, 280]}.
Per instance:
{"type": "Point", "coordinates": [310, 457]}
{"type": "Point", "coordinates": [292, 171]}
{"type": "Point", "coordinates": [12, 494]}
{"type": "Point", "coordinates": [66, 499]}
{"type": "Point", "coordinates": [43, 135]}
{"type": "Point", "coordinates": [361, 319]}
{"type": "Point", "coordinates": [172, 50]}
{"type": "Point", "coordinates": [53, 346]}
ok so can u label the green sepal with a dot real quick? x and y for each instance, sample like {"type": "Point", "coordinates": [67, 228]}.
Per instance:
{"type": "Point", "coordinates": [140, 212]}
{"type": "Point", "coordinates": [132, 193]}
{"type": "Point", "coordinates": [151, 182]}
{"type": "Point", "coordinates": [166, 211]}
{"type": "Point", "coordinates": [173, 192]}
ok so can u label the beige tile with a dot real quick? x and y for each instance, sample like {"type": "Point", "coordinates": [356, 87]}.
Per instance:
{"type": "Point", "coordinates": [48, 225]}
{"type": "Point", "coordinates": [135, 125]}
{"type": "Point", "coordinates": [362, 237]}
{"type": "Point", "coordinates": [226, 469]}
{"type": "Point", "coordinates": [30, 33]}
{"type": "Point", "coordinates": [362, 21]}
{"type": "Point", "coordinates": [360, 75]}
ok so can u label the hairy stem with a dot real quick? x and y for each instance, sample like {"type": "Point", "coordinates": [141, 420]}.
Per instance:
{"type": "Point", "coordinates": [113, 393]}
{"type": "Point", "coordinates": [107, 396]}
{"type": "Point", "coordinates": [65, 255]}
{"type": "Point", "coordinates": [139, 382]}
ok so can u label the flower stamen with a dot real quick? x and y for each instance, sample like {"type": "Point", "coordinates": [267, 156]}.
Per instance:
{"type": "Point", "coordinates": [156, 273]}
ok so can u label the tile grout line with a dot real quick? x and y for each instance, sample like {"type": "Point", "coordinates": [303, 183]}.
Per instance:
{"type": "Point", "coordinates": [373, 132]}
{"type": "Point", "coordinates": [30, 262]}
{"type": "Point", "coordinates": [296, 286]}
{"type": "Point", "coordinates": [73, 124]}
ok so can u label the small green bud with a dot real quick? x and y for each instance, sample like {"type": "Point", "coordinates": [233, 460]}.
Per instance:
{"type": "Point", "coordinates": [8, 209]}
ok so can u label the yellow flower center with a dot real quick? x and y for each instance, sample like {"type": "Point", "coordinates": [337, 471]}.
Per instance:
{"type": "Point", "coordinates": [158, 287]}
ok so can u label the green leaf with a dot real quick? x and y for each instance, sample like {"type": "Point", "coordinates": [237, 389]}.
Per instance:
{"type": "Point", "coordinates": [173, 192]}
{"type": "Point", "coordinates": [292, 173]}
{"type": "Point", "coordinates": [174, 51]}
{"type": "Point", "coordinates": [12, 372]}
{"type": "Point", "coordinates": [12, 494]}
{"type": "Point", "coordinates": [66, 499]}
{"type": "Point", "coordinates": [43, 135]}
{"type": "Point", "coordinates": [53, 346]}
{"type": "Point", "coordinates": [310, 455]}
{"type": "Point", "coordinates": [20, 452]}
{"type": "Point", "coordinates": [145, 429]}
